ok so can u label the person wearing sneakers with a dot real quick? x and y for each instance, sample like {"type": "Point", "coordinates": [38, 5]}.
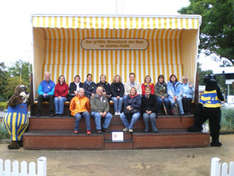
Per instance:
{"type": "Point", "coordinates": [100, 109]}
{"type": "Point", "coordinates": [132, 109]}
{"type": "Point", "coordinates": [79, 108]}
{"type": "Point", "coordinates": [117, 91]}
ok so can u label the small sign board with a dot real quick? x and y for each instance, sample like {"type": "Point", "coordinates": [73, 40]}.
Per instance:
{"type": "Point", "coordinates": [117, 136]}
{"type": "Point", "coordinates": [112, 44]}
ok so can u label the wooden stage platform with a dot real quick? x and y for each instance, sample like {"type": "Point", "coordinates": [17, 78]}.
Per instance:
{"type": "Point", "coordinates": [57, 133]}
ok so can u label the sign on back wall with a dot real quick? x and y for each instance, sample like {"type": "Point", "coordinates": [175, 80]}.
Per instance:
{"type": "Point", "coordinates": [114, 44]}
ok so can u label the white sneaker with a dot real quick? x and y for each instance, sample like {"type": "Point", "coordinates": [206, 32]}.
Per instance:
{"type": "Point", "coordinates": [116, 113]}
{"type": "Point", "coordinates": [125, 130]}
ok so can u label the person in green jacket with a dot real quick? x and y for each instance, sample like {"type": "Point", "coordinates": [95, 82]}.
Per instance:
{"type": "Point", "coordinates": [100, 109]}
{"type": "Point", "coordinates": [160, 90]}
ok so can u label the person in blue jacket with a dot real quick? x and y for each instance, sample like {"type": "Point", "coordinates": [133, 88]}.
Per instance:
{"type": "Point", "coordinates": [174, 90]}
{"type": "Point", "coordinates": [132, 110]}
{"type": "Point", "coordinates": [187, 94]}
{"type": "Point", "coordinates": [46, 93]}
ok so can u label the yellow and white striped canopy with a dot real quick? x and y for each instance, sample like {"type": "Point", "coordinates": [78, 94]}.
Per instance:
{"type": "Point", "coordinates": [57, 43]}
{"type": "Point", "coordinates": [118, 22]}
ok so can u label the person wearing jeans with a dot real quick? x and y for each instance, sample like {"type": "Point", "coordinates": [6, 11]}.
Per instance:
{"type": "Point", "coordinates": [100, 110]}
{"type": "Point", "coordinates": [132, 108]}
{"type": "Point", "coordinates": [174, 88]}
{"type": "Point", "coordinates": [60, 95]}
{"type": "Point", "coordinates": [46, 93]}
{"type": "Point", "coordinates": [79, 108]}
{"type": "Point", "coordinates": [160, 91]}
{"type": "Point", "coordinates": [149, 110]}
{"type": "Point", "coordinates": [117, 91]}
{"type": "Point", "coordinates": [98, 118]}
{"type": "Point", "coordinates": [187, 95]}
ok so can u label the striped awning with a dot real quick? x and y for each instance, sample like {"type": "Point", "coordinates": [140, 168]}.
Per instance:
{"type": "Point", "coordinates": [118, 22]}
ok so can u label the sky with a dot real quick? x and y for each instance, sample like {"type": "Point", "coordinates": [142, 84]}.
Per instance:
{"type": "Point", "coordinates": [16, 26]}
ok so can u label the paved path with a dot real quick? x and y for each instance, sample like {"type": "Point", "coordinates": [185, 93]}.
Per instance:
{"type": "Point", "coordinates": [161, 162]}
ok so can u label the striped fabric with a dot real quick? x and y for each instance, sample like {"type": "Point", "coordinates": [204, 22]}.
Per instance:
{"type": "Point", "coordinates": [209, 99]}
{"type": "Point", "coordinates": [120, 22]}
{"type": "Point", "coordinates": [16, 132]}
{"type": "Point", "coordinates": [64, 54]}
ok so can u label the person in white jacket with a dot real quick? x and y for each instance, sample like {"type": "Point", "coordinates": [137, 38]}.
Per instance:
{"type": "Point", "coordinates": [132, 83]}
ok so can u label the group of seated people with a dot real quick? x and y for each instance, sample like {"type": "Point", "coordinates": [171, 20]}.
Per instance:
{"type": "Point", "coordinates": [130, 99]}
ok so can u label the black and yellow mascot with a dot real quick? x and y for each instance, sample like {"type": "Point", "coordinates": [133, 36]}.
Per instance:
{"type": "Point", "coordinates": [16, 120]}
{"type": "Point", "coordinates": [209, 109]}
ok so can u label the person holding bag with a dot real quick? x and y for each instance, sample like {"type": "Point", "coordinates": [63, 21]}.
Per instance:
{"type": "Point", "coordinates": [132, 109]}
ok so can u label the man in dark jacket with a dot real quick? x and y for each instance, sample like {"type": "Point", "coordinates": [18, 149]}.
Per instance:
{"type": "Point", "coordinates": [105, 85]}
{"type": "Point", "coordinates": [74, 87]}
{"type": "Point", "coordinates": [132, 110]}
{"type": "Point", "coordinates": [149, 110]}
{"type": "Point", "coordinates": [89, 86]}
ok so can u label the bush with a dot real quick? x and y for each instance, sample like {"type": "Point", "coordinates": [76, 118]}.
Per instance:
{"type": "Point", "coordinates": [3, 132]}
{"type": "Point", "coordinates": [227, 121]}
{"type": "Point", "coordinates": [3, 105]}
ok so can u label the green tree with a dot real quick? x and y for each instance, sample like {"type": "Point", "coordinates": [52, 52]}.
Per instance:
{"type": "Point", "coordinates": [22, 70]}
{"type": "Point", "coordinates": [217, 29]}
{"type": "Point", "coordinates": [18, 74]}
{"type": "Point", "coordinates": [3, 81]}
{"type": "Point", "coordinates": [220, 78]}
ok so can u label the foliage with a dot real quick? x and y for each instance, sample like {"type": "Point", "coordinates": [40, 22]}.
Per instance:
{"type": "Point", "coordinates": [3, 80]}
{"type": "Point", "coordinates": [3, 132]}
{"type": "Point", "coordinates": [217, 29]}
{"type": "Point", "coordinates": [3, 105]}
{"type": "Point", "coordinates": [227, 121]}
{"type": "Point", "coordinates": [12, 76]}
{"type": "Point", "coordinates": [220, 78]}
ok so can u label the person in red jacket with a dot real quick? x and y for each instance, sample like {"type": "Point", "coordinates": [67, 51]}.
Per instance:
{"type": "Point", "coordinates": [60, 95]}
{"type": "Point", "coordinates": [147, 83]}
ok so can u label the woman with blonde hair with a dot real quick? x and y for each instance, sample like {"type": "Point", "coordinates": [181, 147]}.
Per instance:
{"type": "Point", "coordinates": [147, 83]}
{"type": "Point", "coordinates": [117, 91]}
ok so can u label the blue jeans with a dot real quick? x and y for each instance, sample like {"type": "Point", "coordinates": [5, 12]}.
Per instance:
{"type": "Point", "coordinates": [159, 102]}
{"type": "Point", "coordinates": [78, 116]}
{"type": "Point", "coordinates": [59, 104]}
{"type": "Point", "coordinates": [118, 102]}
{"type": "Point", "coordinates": [97, 117]}
{"type": "Point", "coordinates": [179, 102]}
{"type": "Point", "coordinates": [134, 118]}
{"type": "Point", "coordinates": [152, 118]}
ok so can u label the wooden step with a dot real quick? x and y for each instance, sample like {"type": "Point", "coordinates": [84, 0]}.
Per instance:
{"type": "Point", "coordinates": [137, 140]}
{"type": "Point", "coordinates": [68, 123]}
{"type": "Point", "coordinates": [180, 139]}
{"type": "Point", "coordinates": [109, 145]}
{"type": "Point", "coordinates": [62, 140]}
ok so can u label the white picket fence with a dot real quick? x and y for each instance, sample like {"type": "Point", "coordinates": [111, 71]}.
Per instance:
{"type": "Point", "coordinates": [221, 169]}
{"type": "Point", "coordinates": [8, 168]}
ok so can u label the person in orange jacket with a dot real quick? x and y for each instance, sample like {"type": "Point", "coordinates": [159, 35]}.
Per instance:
{"type": "Point", "coordinates": [80, 107]}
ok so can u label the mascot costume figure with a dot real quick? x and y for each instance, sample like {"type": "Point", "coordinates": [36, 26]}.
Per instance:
{"type": "Point", "coordinates": [209, 109]}
{"type": "Point", "coordinates": [16, 121]}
